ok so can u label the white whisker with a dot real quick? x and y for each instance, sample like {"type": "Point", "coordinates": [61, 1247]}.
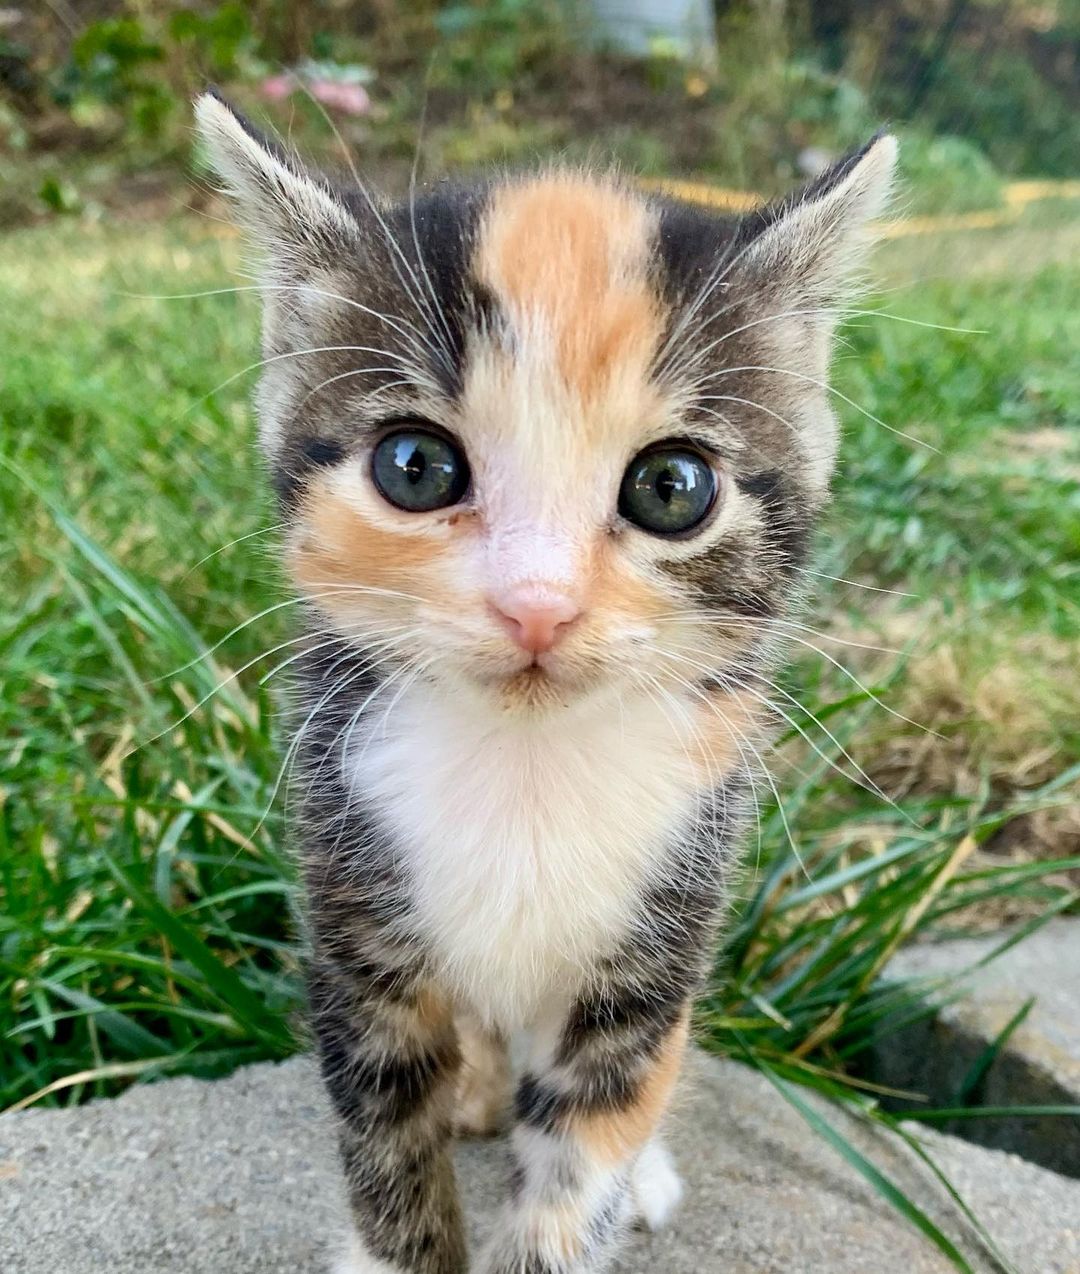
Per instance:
{"type": "Point", "coordinates": [813, 380]}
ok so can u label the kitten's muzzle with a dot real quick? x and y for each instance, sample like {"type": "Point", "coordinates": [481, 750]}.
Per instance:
{"type": "Point", "coordinates": [535, 618]}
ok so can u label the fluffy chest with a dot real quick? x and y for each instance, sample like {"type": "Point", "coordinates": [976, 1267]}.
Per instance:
{"type": "Point", "coordinates": [526, 844]}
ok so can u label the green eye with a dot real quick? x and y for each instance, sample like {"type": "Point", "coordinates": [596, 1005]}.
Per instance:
{"type": "Point", "coordinates": [667, 490]}
{"type": "Point", "coordinates": [417, 470]}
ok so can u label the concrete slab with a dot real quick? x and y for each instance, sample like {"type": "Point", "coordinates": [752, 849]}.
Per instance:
{"type": "Point", "coordinates": [238, 1177]}
{"type": "Point", "coordinates": [1040, 1063]}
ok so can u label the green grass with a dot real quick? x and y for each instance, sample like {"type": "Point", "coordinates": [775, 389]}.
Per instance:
{"type": "Point", "coordinates": [146, 922]}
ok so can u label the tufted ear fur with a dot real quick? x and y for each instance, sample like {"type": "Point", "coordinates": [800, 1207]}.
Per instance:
{"type": "Point", "coordinates": [808, 246]}
{"type": "Point", "coordinates": [284, 207]}
{"type": "Point", "coordinates": [793, 263]}
{"type": "Point", "coordinates": [305, 229]}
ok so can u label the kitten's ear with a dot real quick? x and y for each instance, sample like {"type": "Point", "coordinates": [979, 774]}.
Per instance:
{"type": "Point", "coordinates": [280, 203]}
{"type": "Point", "coordinates": [811, 243]}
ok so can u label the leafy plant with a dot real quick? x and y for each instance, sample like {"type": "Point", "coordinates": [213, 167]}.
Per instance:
{"type": "Point", "coordinates": [113, 62]}
{"type": "Point", "coordinates": [218, 42]}
{"type": "Point", "coordinates": [491, 46]}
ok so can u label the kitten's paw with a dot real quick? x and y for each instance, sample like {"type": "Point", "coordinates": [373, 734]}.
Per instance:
{"type": "Point", "coordinates": [655, 1187]}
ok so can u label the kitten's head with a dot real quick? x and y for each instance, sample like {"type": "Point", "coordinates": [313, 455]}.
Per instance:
{"type": "Point", "coordinates": [549, 434]}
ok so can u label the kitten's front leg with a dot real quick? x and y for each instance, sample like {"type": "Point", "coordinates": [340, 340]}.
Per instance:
{"type": "Point", "coordinates": [485, 1085]}
{"type": "Point", "coordinates": [389, 1058]}
{"type": "Point", "coordinates": [583, 1141]}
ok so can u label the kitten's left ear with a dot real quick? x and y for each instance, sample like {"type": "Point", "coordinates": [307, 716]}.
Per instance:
{"type": "Point", "coordinates": [810, 244]}
{"type": "Point", "coordinates": [282, 205]}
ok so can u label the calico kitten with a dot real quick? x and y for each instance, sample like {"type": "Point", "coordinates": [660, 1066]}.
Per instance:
{"type": "Point", "coordinates": [548, 450]}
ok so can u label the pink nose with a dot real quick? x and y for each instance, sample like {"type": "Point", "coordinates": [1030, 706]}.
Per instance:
{"type": "Point", "coordinates": [536, 618]}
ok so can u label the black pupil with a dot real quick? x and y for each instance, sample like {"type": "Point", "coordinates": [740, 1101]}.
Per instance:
{"type": "Point", "coordinates": [415, 466]}
{"type": "Point", "coordinates": [666, 484]}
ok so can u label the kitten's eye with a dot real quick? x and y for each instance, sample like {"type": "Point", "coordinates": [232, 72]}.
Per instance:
{"type": "Point", "coordinates": [418, 471]}
{"type": "Point", "coordinates": [667, 490]}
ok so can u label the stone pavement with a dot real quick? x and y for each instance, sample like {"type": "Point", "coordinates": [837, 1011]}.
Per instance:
{"type": "Point", "coordinates": [1039, 1063]}
{"type": "Point", "coordinates": [237, 1177]}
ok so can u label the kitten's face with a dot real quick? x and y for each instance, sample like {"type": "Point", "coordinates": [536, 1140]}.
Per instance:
{"type": "Point", "coordinates": [552, 437]}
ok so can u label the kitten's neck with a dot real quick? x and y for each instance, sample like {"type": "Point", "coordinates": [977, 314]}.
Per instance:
{"type": "Point", "coordinates": [528, 841]}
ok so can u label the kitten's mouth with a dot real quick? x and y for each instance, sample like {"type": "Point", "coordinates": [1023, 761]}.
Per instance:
{"type": "Point", "coordinates": [535, 672]}
{"type": "Point", "coordinates": [533, 686]}
{"type": "Point", "coordinates": [549, 682]}
{"type": "Point", "coordinates": [547, 679]}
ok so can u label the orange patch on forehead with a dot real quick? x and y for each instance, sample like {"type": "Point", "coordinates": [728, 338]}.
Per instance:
{"type": "Point", "coordinates": [573, 255]}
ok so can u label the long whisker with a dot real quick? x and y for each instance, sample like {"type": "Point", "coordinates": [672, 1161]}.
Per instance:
{"type": "Point", "coordinates": [864, 690]}
{"type": "Point", "coordinates": [864, 780]}
{"type": "Point", "coordinates": [813, 380]}
{"type": "Point", "coordinates": [294, 745]}
{"type": "Point", "coordinates": [735, 738]}
{"type": "Point", "coordinates": [295, 353]}
{"type": "Point", "coordinates": [399, 631]}
{"type": "Point", "coordinates": [870, 588]}
{"type": "Point", "coordinates": [748, 402]}
{"type": "Point", "coordinates": [373, 655]}
{"type": "Point", "coordinates": [355, 371]}
{"type": "Point", "coordinates": [436, 304]}
{"type": "Point", "coordinates": [266, 530]}
{"type": "Point", "coordinates": [735, 731]}
{"type": "Point", "coordinates": [834, 312]}
{"type": "Point", "coordinates": [345, 738]}
{"type": "Point", "coordinates": [783, 625]}
{"type": "Point", "coordinates": [232, 676]}
{"type": "Point", "coordinates": [409, 332]}
{"type": "Point", "coordinates": [725, 263]}
{"type": "Point", "coordinates": [327, 590]}
{"type": "Point", "coordinates": [712, 768]}
{"type": "Point", "coordinates": [440, 351]}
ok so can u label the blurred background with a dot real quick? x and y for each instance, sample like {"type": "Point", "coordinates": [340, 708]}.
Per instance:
{"type": "Point", "coordinates": [929, 766]}
{"type": "Point", "coordinates": [94, 95]}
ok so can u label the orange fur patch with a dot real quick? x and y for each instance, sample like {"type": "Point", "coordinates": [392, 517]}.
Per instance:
{"type": "Point", "coordinates": [722, 730]}
{"type": "Point", "coordinates": [614, 588]}
{"type": "Point", "coordinates": [574, 254]}
{"type": "Point", "coordinates": [613, 1136]}
{"type": "Point", "coordinates": [433, 1013]}
{"type": "Point", "coordinates": [336, 546]}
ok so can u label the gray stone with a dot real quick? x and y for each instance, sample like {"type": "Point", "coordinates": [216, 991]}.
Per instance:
{"type": "Point", "coordinates": [1039, 1063]}
{"type": "Point", "coordinates": [238, 1177]}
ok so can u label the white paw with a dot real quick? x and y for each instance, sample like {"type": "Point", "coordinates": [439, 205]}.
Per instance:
{"type": "Point", "coordinates": [352, 1258]}
{"type": "Point", "coordinates": [655, 1187]}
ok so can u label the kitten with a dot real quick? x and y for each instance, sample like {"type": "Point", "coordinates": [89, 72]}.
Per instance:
{"type": "Point", "coordinates": [549, 451]}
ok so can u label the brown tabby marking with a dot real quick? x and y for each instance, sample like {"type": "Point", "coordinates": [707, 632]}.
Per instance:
{"type": "Point", "coordinates": [610, 1137]}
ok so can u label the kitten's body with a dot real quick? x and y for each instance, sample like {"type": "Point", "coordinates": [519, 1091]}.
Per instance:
{"type": "Point", "coordinates": [528, 846]}
{"type": "Point", "coordinates": [531, 842]}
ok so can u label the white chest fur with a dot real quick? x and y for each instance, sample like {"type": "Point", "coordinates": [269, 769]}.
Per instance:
{"type": "Point", "coordinates": [527, 841]}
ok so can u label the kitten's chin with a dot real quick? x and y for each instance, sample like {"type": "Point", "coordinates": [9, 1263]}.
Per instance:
{"type": "Point", "coordinates": [536, 688]}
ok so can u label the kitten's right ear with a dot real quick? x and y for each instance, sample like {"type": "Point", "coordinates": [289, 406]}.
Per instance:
{"type": "Point", "coordinates": [280, 203]}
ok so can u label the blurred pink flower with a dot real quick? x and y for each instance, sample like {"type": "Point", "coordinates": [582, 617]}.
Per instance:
{"type": "Point", "coordinates": [350, 98]}
{"type": "Point", "coordinates": [277, 87]}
